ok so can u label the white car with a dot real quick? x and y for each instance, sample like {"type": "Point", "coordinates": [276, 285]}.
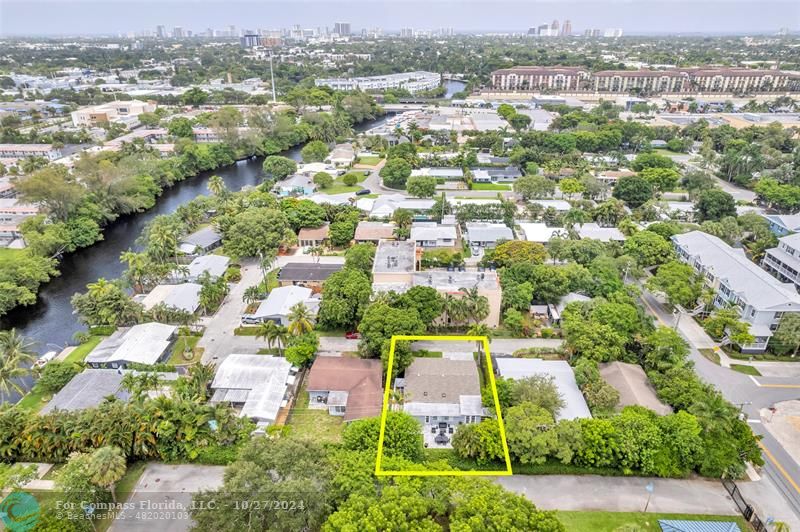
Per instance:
{"type": "Point", "coordinates": [44, 359]}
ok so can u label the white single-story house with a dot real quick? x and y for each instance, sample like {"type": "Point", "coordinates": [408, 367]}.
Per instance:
{"type": "Point", "coordinates": [146, 343]}
{"type": "Point", "coordinates": [280, 301]}
{"type": "Point", "coordinates": [184, 296]}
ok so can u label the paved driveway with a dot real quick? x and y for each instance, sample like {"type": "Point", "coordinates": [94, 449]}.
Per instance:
{"type": "Point", "coordinates": [163, 495]}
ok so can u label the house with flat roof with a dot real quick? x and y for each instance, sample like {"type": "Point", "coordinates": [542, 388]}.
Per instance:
{"type": "Point", "coordinates": [146, 343]}
{"type": "Point", "coordinates": [307, 274]}
{"type": "Point", "coordinates": [348, 387]}
{"type": "Point", "coordinates": [595, 231]}
{"type": "Point", "coordinates": [783, 262]}
{"type": "Point", "coordinates": [258, 385]}
{"type": "Point", "coordinates": [442, 394]}
{"type": "Point", "coordinates": [280, 301]}
{"type": "Point", "coordinates": [201, 241]}
{"type": "Point", "coordinates": [374, 232]}
{"type": "Point", "coordinates": [760, 299]}
{"type": "Point", "coordinates": [394, 262]}
{"type": "Point", "coordinates": [296, 185]}
{"type": "Point", "coordinates": [313, 236]}
{"type": "Point", "coordinates": [557, 204]}
{"type": "Point", "coordinates": [575, 406]}
{"type": "Point", "coordinates": [448, 174]}
{"type": "Point", "coordinates": [454, 283]}
{"type": "Point", "coordinates": [184, 296]}
{"type": "Point", "coordinates": [540, 232]}
{"type": "Point", "coordinates": [384, 205]}
{"type": "Point", "coordinates": [486, 235]}
{"type": "Point", "coordinates": [433, 235]}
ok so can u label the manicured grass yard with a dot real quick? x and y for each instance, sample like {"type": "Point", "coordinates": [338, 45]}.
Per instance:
{"type": "Point", "coordinates": [710, 354]}
{"type": "Point", "coordinates": [747, 370]}
{"type": "Point", "coordinates": [490, 186]}
{"type": "Point", "coordinates": [80, 353]}
{"type": "Point", "coordinates": [34, 400]}
{"type": "Point", "coordinates": [370, 160]}
{"type": "Point", "coordinates": [340, 188]}
{"type": "Point", "coordinates": [317, 425]}
{"type": "Point", "coordinates": [177, 358]}
{"type": "Point", "coordinates": [644, 522]}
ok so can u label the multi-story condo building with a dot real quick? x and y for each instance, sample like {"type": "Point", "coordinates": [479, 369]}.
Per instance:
{"type": "Point", "coordinates": [541, 78]}
{"type": "Point", "coordinates": [127, 112]}
{"type": "Point", "coordinates": [21, 151]}
{"type": "Point", "coordinates": [411, 81]}
{"type": "Point", "coordinates": [760, 299]}
{"type": "Point", "coordinates": [784, 261]}
{"type": "Point", "coordinates": [732, 80]}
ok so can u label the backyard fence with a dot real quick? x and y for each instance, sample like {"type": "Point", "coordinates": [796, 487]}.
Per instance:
{"type": "Point", "coordinates": [746, 509]}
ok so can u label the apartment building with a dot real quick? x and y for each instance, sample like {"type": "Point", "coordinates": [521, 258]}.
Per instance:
{"type": "Point", "coordinates": [724, 80]}
{"type": "Point", "coordinates": [760, 299]}
{"type": "Point", "coordinates": [783, 262]}
{"type": "Point", "coordinates": [541, 78]}
{"type": "Point", "coordinates": [124, 111]}
{"type": "Point", "coordinates": [411, 81]}
{"type": "Point", "coordinates": [21, 151]}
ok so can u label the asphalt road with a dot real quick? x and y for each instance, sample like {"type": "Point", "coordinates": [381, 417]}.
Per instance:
{"type": "Point", "coordinates": [751, 394]}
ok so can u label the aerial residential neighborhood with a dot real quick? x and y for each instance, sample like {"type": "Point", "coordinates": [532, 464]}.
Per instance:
{"type": "Point", "coordinates": [472, 266]}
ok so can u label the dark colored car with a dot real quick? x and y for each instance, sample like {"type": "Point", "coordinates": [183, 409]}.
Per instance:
{"type": "Point", "coordinates": [363, 192]}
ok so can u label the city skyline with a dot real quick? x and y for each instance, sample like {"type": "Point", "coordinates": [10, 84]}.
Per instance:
{"type": "Point", "coordinates": [643, 17]}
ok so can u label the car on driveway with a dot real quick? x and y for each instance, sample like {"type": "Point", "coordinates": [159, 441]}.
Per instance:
{"type": "Point", "coordinates": [363, 192]}
{"type": "Point", "coordinates": [352, 335]}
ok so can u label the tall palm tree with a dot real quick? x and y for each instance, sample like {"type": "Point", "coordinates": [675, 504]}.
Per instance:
{"type": "Point", "coordinates": [15, 356]}
{"type": "Point", "coordinates": [107, 467]}
{"type": "Point", "coordinates": [300, 320]}
{"type": "Point", "coordinates": [268, 331]}
{"type": "Point", "coordinates": [714, 413]}
{"type": "Point", "coordinates": [477, 306]}
{"type": "Point", "coordinates": [217, 186]}
{"type": "Point", "coordinates": [480, 329]}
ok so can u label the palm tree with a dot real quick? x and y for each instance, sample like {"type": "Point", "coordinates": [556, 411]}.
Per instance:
{"type": "Point", "coordinates": [300, 320]}
{"type": "Point", "coordinates": [250, 294]}
{"type": "Point", "coordinates": [714, 413]}
{"type": "Point", "coordinates": [480, 329]}
{"type": "Point", "coordinates": [316, 252]}
{"type": "Point", "coordinates": [217, 186]}
{"type": "Point", "coordinates": [477, 306]}
{"type": "Point", "coordinates": [15, 355]}
{"type": "Point", "coordinates": [107, 467]}
{"type": "Point", "coordinates": [268, 331]}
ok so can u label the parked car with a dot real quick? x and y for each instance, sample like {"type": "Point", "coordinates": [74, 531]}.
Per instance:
{"type": "Point", "coordinates": [363, 192]}
{"type": "Point", "coordinates": [44, 359]}
{"type": "Point", "coordinates": [352, 335]}
{"type": "Point", "coordinates": [476, 251]}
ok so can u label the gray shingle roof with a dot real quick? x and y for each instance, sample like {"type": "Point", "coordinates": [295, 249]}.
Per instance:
{"type": "Point", "coordinates": [305, 271]}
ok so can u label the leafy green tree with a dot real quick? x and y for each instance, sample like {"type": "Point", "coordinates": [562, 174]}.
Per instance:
{"type": "Point", "coordinates": [513, 251]}
{"type": "Point", "coordinates": [279, 167]}
{"type": "Point", "coordinates": [714, 204]}
{"type": "Point", "coordinates": [425, 300]}
{"type": "Point", "coordinates": [532, 186]}
{"type": "Point", "coordinates": [342, 232]}
{"type": "Point", "coordinates": [678, 282]}
{"type": "Point", "coordinates": [314, 151]}
{"type": "Point", "coordinates": [402, 436]}
{"type": "Point", "coordinates": [786, 338]}
{"type": "Point", "coordinates": [380, 322]}
{"type": "Point", "coordinates": [519, 121]}
{"type": "Point", "coordinates": [194, 97]}
{"type": "Point", "coordinates": [633, 190]}
{"type": "Point", "coordinates": [651, 160]}
{"type": "Point", "coordinates": [479, 441]}
{"type": "Point", "coordinates": [513, 321]}
{"type": "Point", "coordinates": [539, 390]}
{"type": "Point", "coordinates": [648, 248]}
{"type": "Point", "coordinates": [54, 188]}
{"type": "Point", "coordinates": [55, 376]}
{"type": "Point", "coordinates": [346, 295]}
{"type": "Point", "coordinates": [570, 187]}
{"type": "Point", "coordinates": [421, 186]}
{"type": "Point", "coordinates": [664, 349]}
{"type": "Point", "coordinates": [106, 303]}
{"type": "Point", "coordinates": [351, 178]}
{"type": "Point", "coordinates": [661, 179]}
{"type": "Point", "coordinates": [180, 127]}
{"type": "Point", "coordinates": [529, 429]}
{"type": "Point", "coordinates": [323, 180]}
{"type": "Point", "coordinates": [254, 232]}
{"type": "Point", "coordinates": [395, 173]}
{"type": "Point", "coordinates": [360, 257]}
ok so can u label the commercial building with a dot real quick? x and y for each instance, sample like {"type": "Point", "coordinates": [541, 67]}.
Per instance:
{"type": "Point", "coordinates": [575, 406]}
{"type": "Point", "coordinates": [258, 385]}
{"type": "Point", "coordinates": [783, 261]}
{"type": "Point", "coordinates": [146, 343]}
{"type": "Point", "coordinates": [761, 300]}
{"type": "Point", "coordinates": [687, 80]}
{"type": "Point", "coordinates": [348, 387]}
{"type": "Point", "coordinates": [411, 81]}
{"type": "Point", "coordinates": [126, 112]}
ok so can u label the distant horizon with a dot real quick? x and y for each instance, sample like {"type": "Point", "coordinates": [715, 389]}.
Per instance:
{"type": "Point", "coordinates": [82, 18]}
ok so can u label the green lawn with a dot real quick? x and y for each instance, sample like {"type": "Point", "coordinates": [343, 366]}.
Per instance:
{"type": "Point", "coordinates": [644, 522]}
{"type": "Point", "coordinates": [340, 188]}
{"type": "Point", "coordinates": [313, 424]}
{"type": "Point", "coordinates": [747, 370]}
{"type": "Point", "coordinates": [370, 160]}
{"type": "Point", "coordinates": [34, 400]}
{"type": "Point", "coordinates": [82, 351]}
{"type": "Point", "coordinates": [177, 358]}
{"type": "Point", "coordinates": [710, 354]}
{"type": "Point", "coordinates": [490, 186]}
{"type": "Point", "coordinates": [370, 196]}
{"type": "Point", "coordinates": [667, 152]}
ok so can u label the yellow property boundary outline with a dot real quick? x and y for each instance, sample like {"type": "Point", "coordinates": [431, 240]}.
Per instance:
{"type": "Point", "coordinates": [385, 410]}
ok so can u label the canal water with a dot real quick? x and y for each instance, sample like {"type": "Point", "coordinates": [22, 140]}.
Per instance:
{"type": "Point", "coordinates": [50, 323]}
{"type": "Point", "coordinates": [453, 86]}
